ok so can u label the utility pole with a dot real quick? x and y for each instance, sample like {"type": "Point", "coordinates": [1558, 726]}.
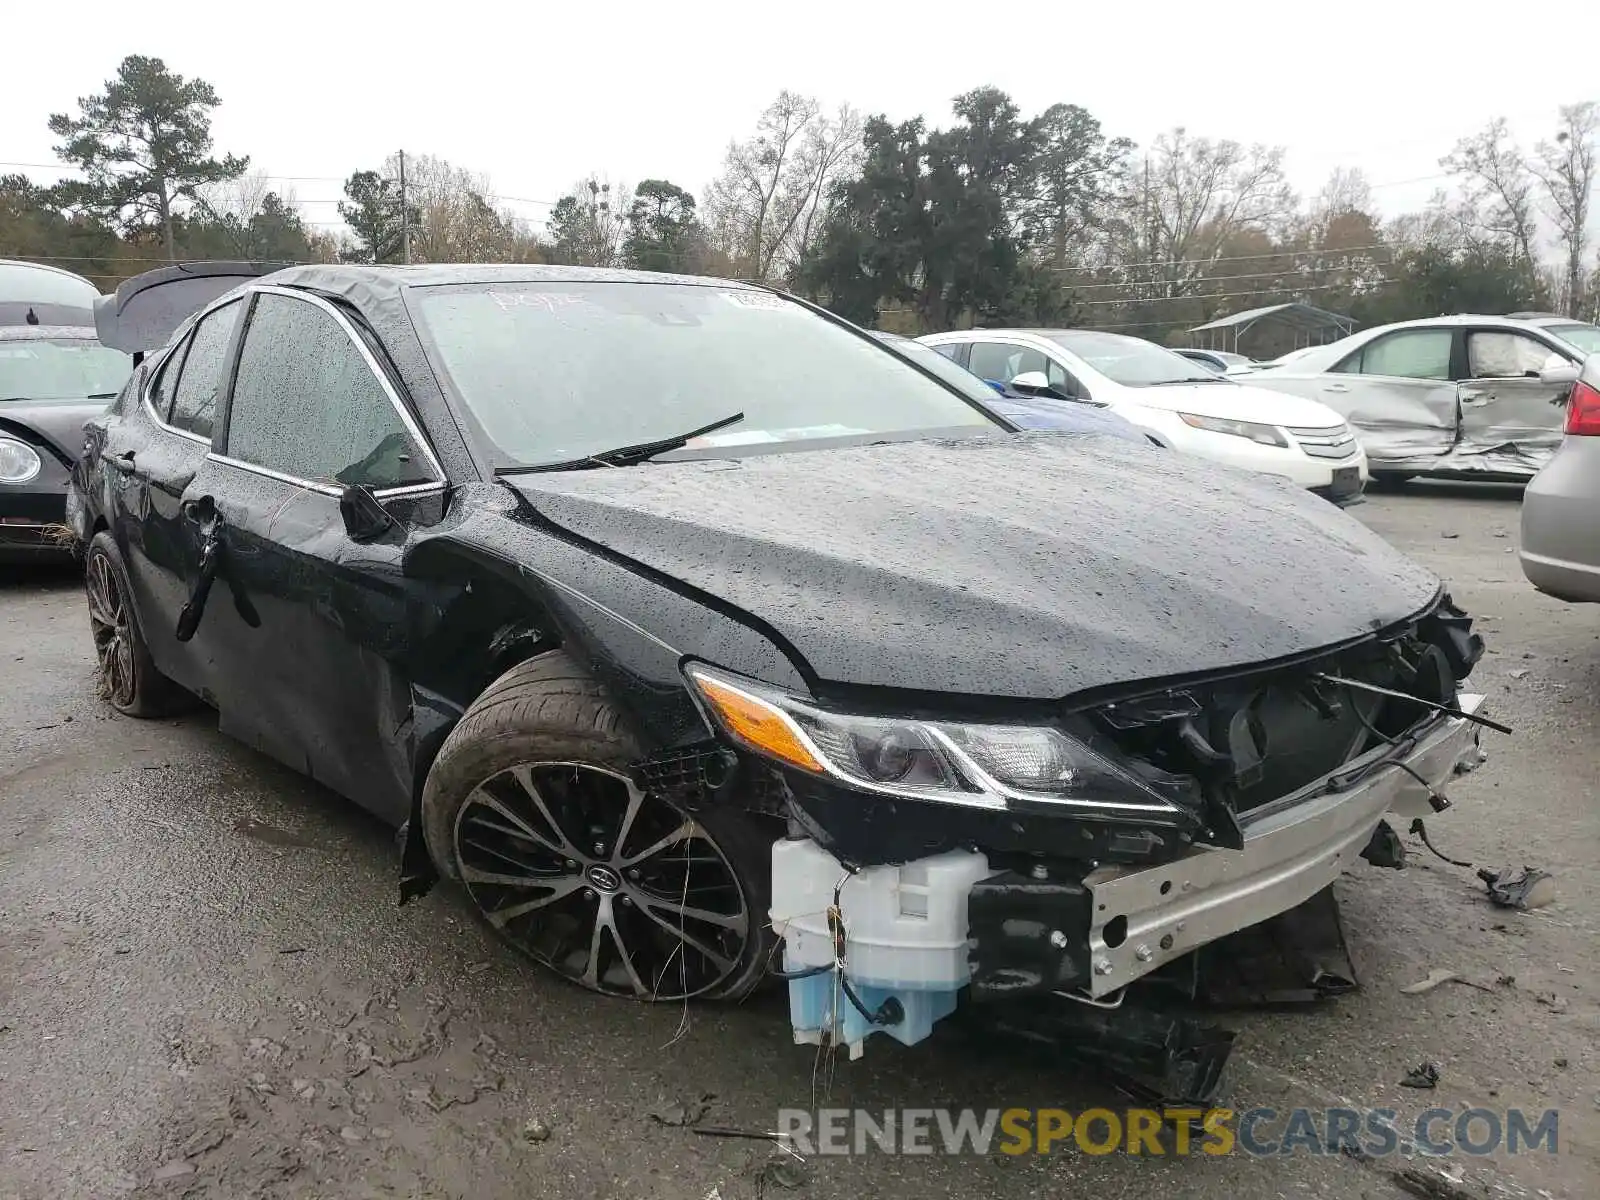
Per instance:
{"type": "Point", "coordinates": [405, 214]}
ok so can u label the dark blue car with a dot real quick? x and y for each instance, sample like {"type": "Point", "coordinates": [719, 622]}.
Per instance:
{"type": "Point", "coordinates": [1028, 412]}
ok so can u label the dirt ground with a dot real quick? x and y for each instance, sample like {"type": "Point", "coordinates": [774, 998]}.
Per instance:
{"type": "Point", "coordinates": [208, 990]}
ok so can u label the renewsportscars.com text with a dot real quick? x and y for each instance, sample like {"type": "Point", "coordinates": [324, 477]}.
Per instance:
{"type": "Point", "coordinates": [1373, 1132]}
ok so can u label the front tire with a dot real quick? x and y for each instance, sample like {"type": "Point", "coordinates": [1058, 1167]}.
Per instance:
{"type": "Point", "coordinates": [127, 675]}
{"type": "Point", "coordinates": [532, 807]}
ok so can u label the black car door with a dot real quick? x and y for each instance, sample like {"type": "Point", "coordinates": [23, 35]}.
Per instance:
{"type": "Point", "coordinates": [151, 454]}
{"type": "Point", "coordinates": [307, 624]}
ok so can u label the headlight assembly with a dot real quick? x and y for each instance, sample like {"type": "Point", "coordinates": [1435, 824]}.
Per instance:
{"type": "Point", "coordinates": [1266, 435]}
{"type": "Point", "coordinates": [19, 462]}
{"type": "Point", "coordinates": [978, 765]}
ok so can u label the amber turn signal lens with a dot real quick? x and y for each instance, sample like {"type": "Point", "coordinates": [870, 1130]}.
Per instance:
{"type": "Point", "coordinates": [758, 724]}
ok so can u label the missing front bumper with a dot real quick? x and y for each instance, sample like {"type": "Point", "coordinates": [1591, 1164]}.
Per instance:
{"type": "Point", "coordinates": [1145, 917]}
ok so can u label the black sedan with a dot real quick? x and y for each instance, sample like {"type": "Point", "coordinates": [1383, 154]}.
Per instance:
{"type": "Point", "coordinates": [673, 617]}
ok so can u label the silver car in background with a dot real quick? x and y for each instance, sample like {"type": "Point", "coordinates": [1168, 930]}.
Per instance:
{"type": "Point", "coordinates": [1463, 397]}
{"type": "Point", "coordinates": [1561, 507]}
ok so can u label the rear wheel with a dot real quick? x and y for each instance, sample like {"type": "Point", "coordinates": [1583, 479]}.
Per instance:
{"type": "Point", "coordinates": [531, 806]}
{"type": "Point", "coordinates": [128, 678]}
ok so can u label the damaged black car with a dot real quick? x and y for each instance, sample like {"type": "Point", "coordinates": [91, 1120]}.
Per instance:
{"type": "Point", "coordinates": [702, 638]}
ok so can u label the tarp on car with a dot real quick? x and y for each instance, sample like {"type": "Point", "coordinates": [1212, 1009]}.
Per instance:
{"type": "Point", "coordinates": [146, 310]}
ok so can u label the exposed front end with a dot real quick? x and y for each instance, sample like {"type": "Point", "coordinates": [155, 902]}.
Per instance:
{"type": "Point", "coordinates": [1076, 849]}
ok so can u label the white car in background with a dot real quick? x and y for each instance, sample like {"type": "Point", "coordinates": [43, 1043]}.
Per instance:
{"type": "Point", "coordinates": [1455, 397]}
{"type": "Point", "coordinates": [1179, 403]}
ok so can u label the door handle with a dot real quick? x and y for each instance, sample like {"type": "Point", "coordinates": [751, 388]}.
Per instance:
{"type": "Point", "coordinates": [122, 462]}
{"type": "Point", "coordinates": [1335, 387]}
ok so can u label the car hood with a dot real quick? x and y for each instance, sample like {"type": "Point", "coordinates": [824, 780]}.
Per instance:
{"type": "Point", "coordinates": [1028, 566]}
{"type": "Point", "coordinates": [58, 422]}
{"type": "Point", "coordinates": [1234, 401]}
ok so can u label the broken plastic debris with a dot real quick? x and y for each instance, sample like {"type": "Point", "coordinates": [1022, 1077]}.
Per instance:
{"type": "Point", "coordinates": [678, 1113]}
{"type": "Point", "coordinates": [1434, 979]}
{"type": "Point", "coordinates": [1525, 889]}
{"type": "Point", "coordinates": [1423, 1075]}
{"type": "Point", "coordinates": [784, 1171]}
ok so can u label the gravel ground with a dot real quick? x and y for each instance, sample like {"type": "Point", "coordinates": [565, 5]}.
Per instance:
{"type": "Point", "coordinates": [207, 989]}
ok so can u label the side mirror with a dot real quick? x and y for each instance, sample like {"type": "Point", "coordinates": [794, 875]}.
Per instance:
{"type": "Point", "coordinates": [365, 520]}
{"type": "Point", "coordinates": [1032, 382]}
{"type": "Point", "coordinates": [1563, 376]}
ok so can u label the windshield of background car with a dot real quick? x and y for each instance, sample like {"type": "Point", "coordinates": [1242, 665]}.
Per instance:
{"type": "Point", "coordinates": [61, 369]}
{"type": "Point", "coordinates": [1584, 337]}
{"type": "Point", "coordinates": [1130, 361]}
{"type": "Point", "coordinates": [557, 371]}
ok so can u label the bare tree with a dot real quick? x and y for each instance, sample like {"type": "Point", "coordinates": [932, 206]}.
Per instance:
{"type": "Point", "coordinates": [589, 225]}
{"type": "Point", "coordinates": [750, 210]}
{"type": "Point", "coordinates": [459, 218]}
{"type": "Point", "coordinates": [1565, 168]}
{"type": "Point", "coordinates": [829, 151]}
{"type": "Point", "coordinates": [240, 199]}
{"type": "Point", "coordinates": [1187, 200]}
{"type": "Point", "coordinates": [1496, 201]}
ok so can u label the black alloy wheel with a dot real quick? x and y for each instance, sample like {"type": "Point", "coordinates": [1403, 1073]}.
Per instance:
{"type": "Point", "coordinates": [112, 625]}
{"type": "Point", "coordinates": [612, 887]}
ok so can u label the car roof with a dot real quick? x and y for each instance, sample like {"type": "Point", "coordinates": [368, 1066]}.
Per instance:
{"type": "Point", "coordinates": [39, 333]}
{"type": "Point", "coordinates": [393, 278]}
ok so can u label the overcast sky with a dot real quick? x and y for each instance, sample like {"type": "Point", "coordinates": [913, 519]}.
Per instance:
{"type": "Point", "coordinates": [539, 95]}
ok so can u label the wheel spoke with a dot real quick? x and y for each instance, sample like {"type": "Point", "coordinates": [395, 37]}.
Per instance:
{"type": "Point", "coordinates": [520, 827]}
{"type": "Point", "coordinates": [683, 832]}
{"type": "Point", "coordinates": [498, 917]}
{"type": "Point", "coordinates": [501, 879]}
{"type": "Point", "coordinates": [602, 922]}
{"type": "Point", "coordinates": [726, 920]}
{"type": "Point", "coordinates": [524, 776]}
{"type": "Point", "coordinates": [635, 802]}
{"type": "Point", "coordinates": [722, 961]}
{"type": "Point", "coordinates": [639, 987]}
{"type": "Point", "coordinates": [122, 670]}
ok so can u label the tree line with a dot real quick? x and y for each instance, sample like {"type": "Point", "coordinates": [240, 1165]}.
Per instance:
{"type": "Point", "coordinates": [992, 217]}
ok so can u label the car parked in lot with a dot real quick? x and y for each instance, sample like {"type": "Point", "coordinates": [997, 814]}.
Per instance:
{"type": "Point", "coordinates": [1024, 410]}
{"type": "Point", "coordinates": [1179, 403]}
{"type": "Point", "coordinates": [655, 610]}
{"type": "Point", "coordinates": [1453, 397]}
{"type": "Point", "coordinates": [53, 378]}
{"type": "Point", "coordinates": [1560, 548]}
{"type": "Point", "coordinates": [1220, 361]}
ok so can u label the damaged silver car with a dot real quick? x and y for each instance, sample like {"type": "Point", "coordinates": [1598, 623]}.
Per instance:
{"type": "Point", "coordinates": [701, 638]}
{"type": "Point", "coordinates": [1462, 397]}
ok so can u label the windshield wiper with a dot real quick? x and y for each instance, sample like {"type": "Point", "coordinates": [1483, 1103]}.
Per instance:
{"type": "Point", "coordinates": [1192, 379]}
{"type": "Point", "coordinates": [627, 456]}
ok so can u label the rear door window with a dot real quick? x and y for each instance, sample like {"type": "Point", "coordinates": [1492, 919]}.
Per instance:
{"type": "Point", "coordinates": [1504, 354]}
{"type": "Point", "coordinates": [203, 373]}
{"type": "Point", "coordinates": [166, 381]}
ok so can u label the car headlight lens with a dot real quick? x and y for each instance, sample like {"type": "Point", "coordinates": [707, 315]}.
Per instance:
{"type": "Point", "coordinates": [19, 462]}
{"type": "Point", "coordinates": [1266, 435]}
{"type": "Point", "coordinates": [979, 765]}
